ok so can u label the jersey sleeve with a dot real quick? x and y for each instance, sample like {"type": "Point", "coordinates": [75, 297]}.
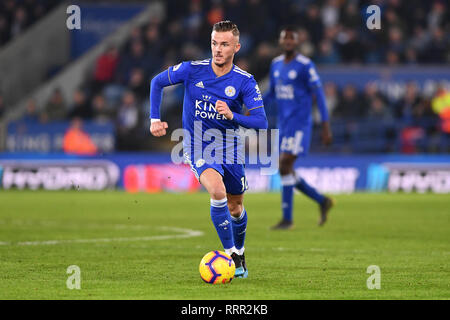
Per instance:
{"type": "Point", "coordinates": [251, 95]}
{"type": "Point", "coordinates": [179, 73]}
{"type": "Point", "coordinates": [269, 96]}
{"type": "Point", "coordinates": [173, 75]}
{"type": "Point", "coordinates": [313, 76]}
{"type": "Point", "coordinates": [316, 87]}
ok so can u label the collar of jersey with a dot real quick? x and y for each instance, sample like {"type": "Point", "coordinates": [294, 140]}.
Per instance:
{"type": "Point", "coordinates": [222, 76]}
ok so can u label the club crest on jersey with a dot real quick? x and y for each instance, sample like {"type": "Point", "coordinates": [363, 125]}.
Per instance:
{"type": "Point", "coordinates": [230, 91]}
{"type": "Point", "coordinates": [292, 74]}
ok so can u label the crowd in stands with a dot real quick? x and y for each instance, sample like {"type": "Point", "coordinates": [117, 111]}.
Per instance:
{"type": "Point", "coordinates": [17, 15]}
{"type": "Point", "coordinates": [331, 32]}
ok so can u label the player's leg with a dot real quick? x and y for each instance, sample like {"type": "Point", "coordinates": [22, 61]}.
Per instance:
{"type": "Point", "coordinates": [236, 184]}
{"type": "Point", "coordinates": [238, 219]}
{"type": "Point", "coordinates": [212, 180]}
{"type": "Point", "coordinates": [286, 167]}
{"type": "Point", "coordinates": [325, 203]}
{"type": "Point", "coordinates": [303, 141]}
{"type": "Point", "coordinates": [239, 224]}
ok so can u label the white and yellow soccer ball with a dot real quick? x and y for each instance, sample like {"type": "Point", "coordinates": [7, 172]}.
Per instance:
{"type": "Point", "coordinates": [217, 267]}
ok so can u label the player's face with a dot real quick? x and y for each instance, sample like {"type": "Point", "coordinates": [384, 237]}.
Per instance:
{"type": "Point", "coordinates": [288, 40]}
{"type": "Point", "coordinates": [223, 47]}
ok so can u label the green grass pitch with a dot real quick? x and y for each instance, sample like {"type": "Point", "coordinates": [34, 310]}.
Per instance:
{"type": "Point", "coordinates": [148, 246]}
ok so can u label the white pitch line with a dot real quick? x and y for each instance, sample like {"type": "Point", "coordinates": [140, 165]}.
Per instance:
{"type": "Point", "coordinates": [185, 233]}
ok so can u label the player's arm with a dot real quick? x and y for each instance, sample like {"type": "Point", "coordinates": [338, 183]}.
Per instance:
{"type": "Point", "coordinates": [171, 76]}
{"type": "Point", "coordinates": [269, 95]}
{"type": "Point", "coordinates": [317, 89]}
{"type": "Point", "coordinates": [255, 117]}
{"type": "Point", "coordinates": [251, 96]}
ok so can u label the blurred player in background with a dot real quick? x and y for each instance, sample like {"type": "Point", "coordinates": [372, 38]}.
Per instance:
{"type": "Point", "coordinates": [293, 83]}
{"type": "Point", "coordinates": [215, 90]}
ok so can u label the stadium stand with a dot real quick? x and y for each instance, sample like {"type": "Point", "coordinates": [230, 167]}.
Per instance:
{"type": "Point", "coordinates": [332, 32]}
{"type": "Point", "coordinates": [18, 15]}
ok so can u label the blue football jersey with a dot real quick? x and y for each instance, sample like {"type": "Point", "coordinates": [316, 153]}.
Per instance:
{"type": "Point", "coordinates": [202, 89]}
{"type": "Point", "coordinates": [291, 85]}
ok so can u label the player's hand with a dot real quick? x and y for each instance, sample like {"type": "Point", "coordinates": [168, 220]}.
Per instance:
{"type": "Point", "coordinates": [326, 135]}
{"type": "Point", "coordinates": [158, 128]}
{"type": "Point", "coordinates": [222, 108]}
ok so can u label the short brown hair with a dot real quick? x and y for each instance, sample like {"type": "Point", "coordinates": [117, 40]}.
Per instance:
{"type": "Point", "coordinates": [227, 25]}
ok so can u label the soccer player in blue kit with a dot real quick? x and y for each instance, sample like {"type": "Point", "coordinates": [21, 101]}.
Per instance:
{"type": "Point", "coordinates": [293, 83]}
{"type": "Point", "coordinates": [215, 90]}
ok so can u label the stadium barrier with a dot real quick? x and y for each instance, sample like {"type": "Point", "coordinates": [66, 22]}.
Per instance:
{"type": "Point", "coordinates": [152, 172]}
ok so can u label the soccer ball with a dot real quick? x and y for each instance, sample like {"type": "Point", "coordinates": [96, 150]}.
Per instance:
{"type": "Point", "coordinates": [217, 267]}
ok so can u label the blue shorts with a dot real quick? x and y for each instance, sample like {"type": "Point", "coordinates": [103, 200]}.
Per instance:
{"type": "Point", "coordinates": [295, 141]}
{"type": "Point", "coordinates": [233, 175]}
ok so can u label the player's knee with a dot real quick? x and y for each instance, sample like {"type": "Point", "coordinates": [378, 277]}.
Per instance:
{"type": "Point", "coordinates": [285, 167]}
{"type": "Point", "coordinates": [235, 208]}
{"type": "Point", "coordinates": [217, 192]}
{"type": "Point", "coordinates": [286, 164]}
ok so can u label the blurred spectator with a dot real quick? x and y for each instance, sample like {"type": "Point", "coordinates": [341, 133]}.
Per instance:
{"type": "Point", "coordinates": [436, 16]}
{"type": "Point", "coordinates": [405, 107]}
{"type": "Point", "coordinates": [327, 53]}
{"type": "Point", "coordinates": [81, 107]}
{"type": "Point", "coordinates": [17, 16]}
{"type": "Point", "coordinates": [215, 14]}
{"type": "Point", "coordinates": [313, 23]}
{"type": "Point", "coordinates": [138, 84]}
{"type": "Point", "coordinates": [392, 58]}
{"type": "Point", "coordinates": [441, 106]}
{"type": "Point", "coordinates": [378, 111]}
{"type": "Point", "coordinates": [154, 47]}
{"type": "Point", "coordinates": [349, 104]}
{"type": "Point", "coordinates": [31, 113]}
{"type": "Point", "coordinates": [127, 123]}
{"type": "Point", "coordinates": [55, 108]}
{"type": "Point", "coordinates": [350, 17]}
{"type": "Point", "coordinates": [257, 18]}
{"type": "Point", "coordinates": [330, 13]}
{"type": "Point", "coordinates": [132, 60]}
{"type": "Point", "coordinates": [332, 99]}
{"type": "Point", "coordinates": [370, 93]}
{"type": "Point", "coordinates": [134, 36]}
{"type": "Point", "coordinates": [102, 112]}
{"type": "Point", "coordinates": [437, 51]}
{"type": "Point", "coordinates": [264, 55]}
{"type": "Point", "coordinates": [306, 47]}
{"type": "Point", "coordinates": [242, 63]}
{"type": "Point", "coordinates": [419, 40]}
{"type": "Point", "coordinates": [409, 137]}
{"type": "Point", "coordinates": [350, 47]}
{"type": "Point", "coordinates": [77, 141]}
{"type": "Point", "coordinates": [105, 68]}
{"type": "Point", "coordinates": [4, 30]}
{"type": "Point", "coordinates": [192, 21]}
{"type": "Point", "coordinates": [396, 40]}
{"type": "Point", "coordinates": [20, 22]}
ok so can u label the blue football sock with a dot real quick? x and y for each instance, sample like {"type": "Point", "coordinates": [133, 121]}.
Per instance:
{"type": "Point", "coordinates": [221, 218]}
{"type": "Point", "coordinates": [311, 192]}
{"type": "Point", "coordinates": [239, 229]}
{"type": "Point", "coordinates": [287, 195]}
